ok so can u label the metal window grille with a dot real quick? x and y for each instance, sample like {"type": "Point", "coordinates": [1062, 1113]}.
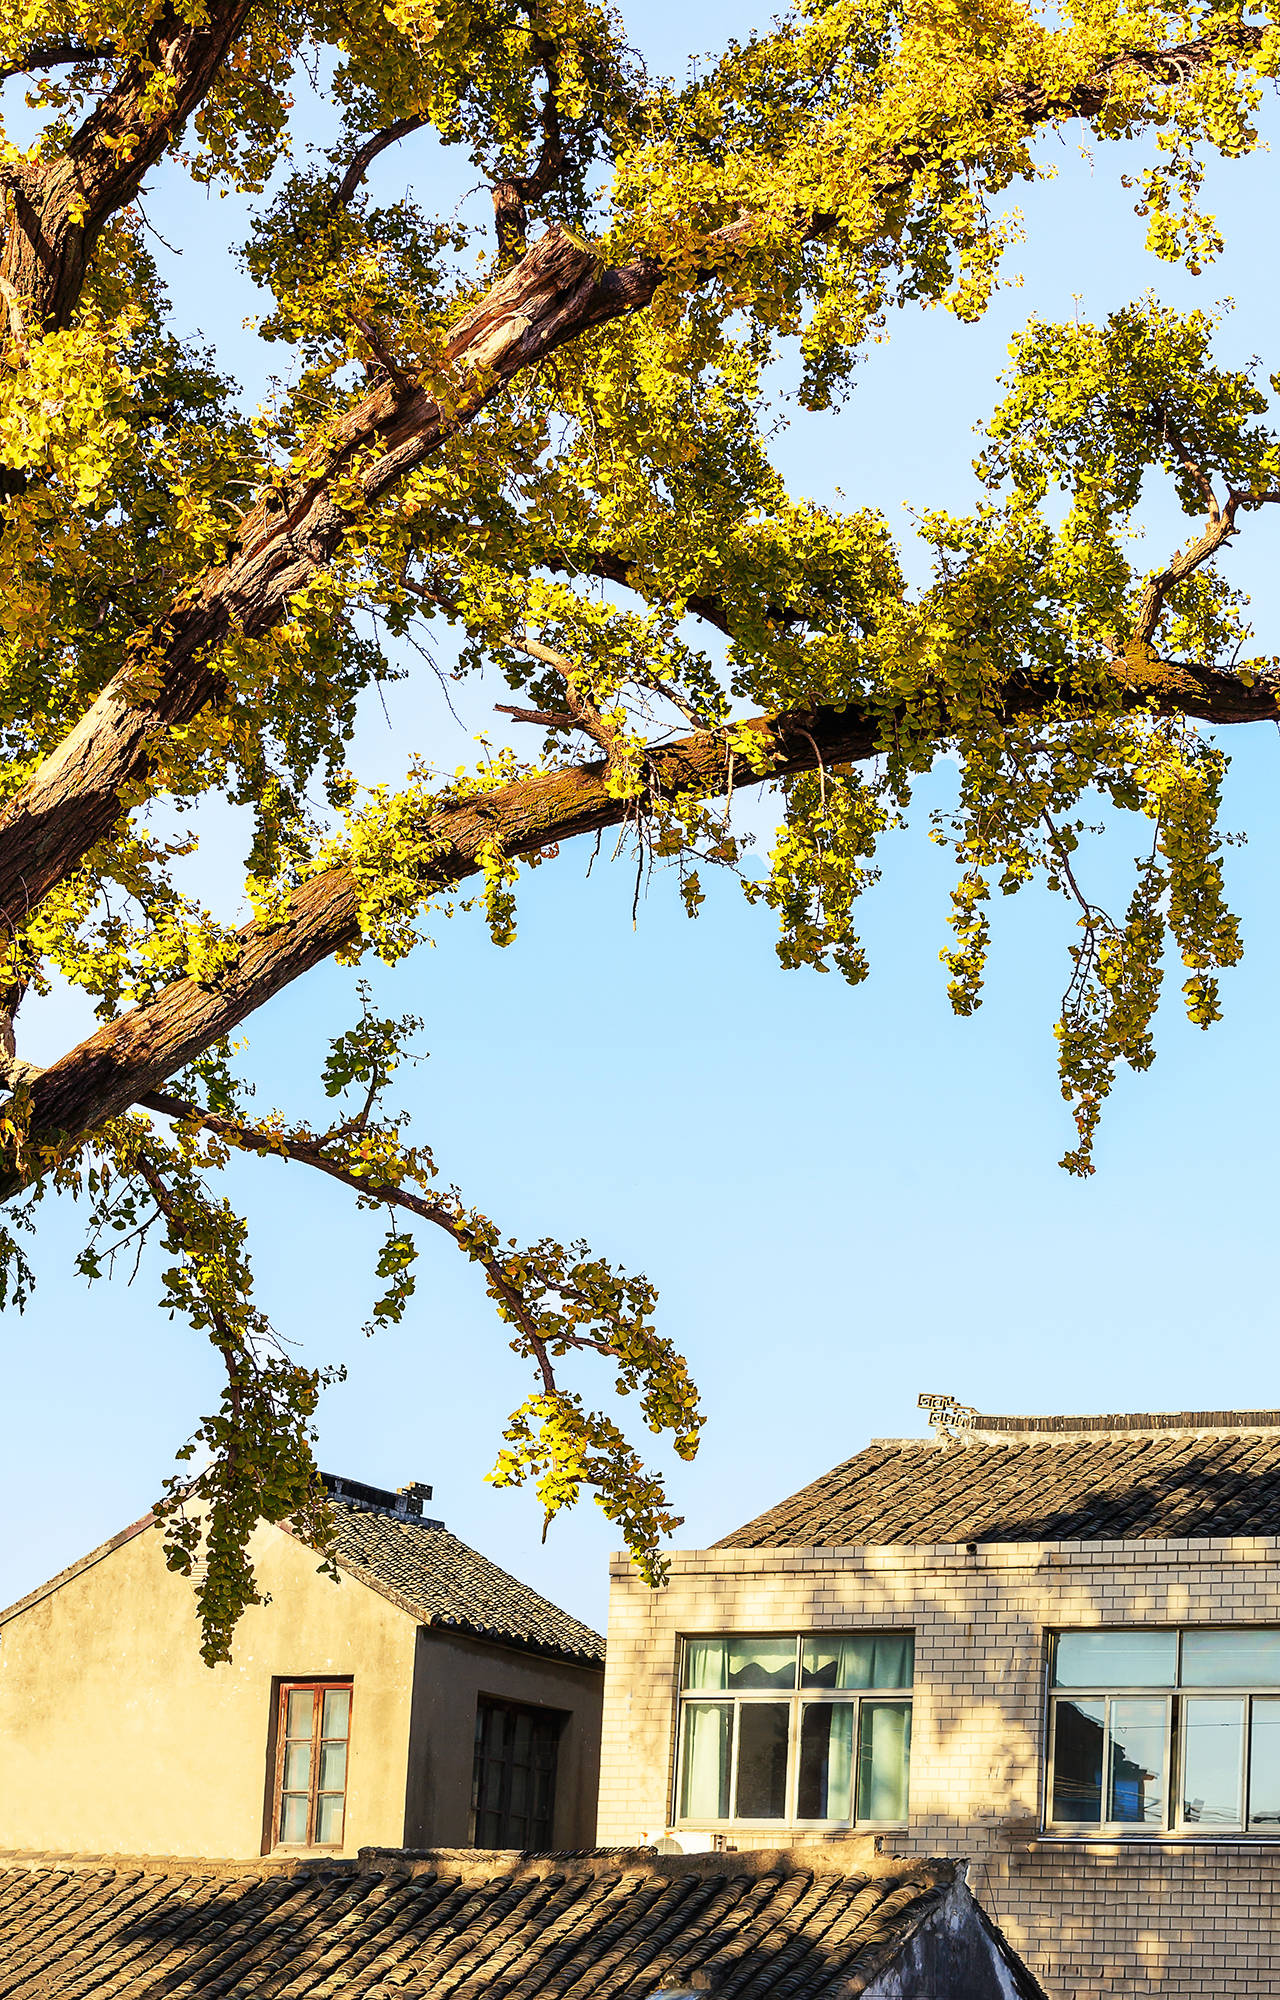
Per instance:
{"type": "Point", "coordinates": [514, 1779]}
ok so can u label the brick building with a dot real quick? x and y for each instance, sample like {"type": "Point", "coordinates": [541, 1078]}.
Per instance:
{"type": "Point", "coordinates": [1051, 1645]}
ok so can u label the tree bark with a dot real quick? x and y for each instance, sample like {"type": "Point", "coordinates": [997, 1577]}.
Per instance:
{"type": "Point", "coordinates": [128, 1058]}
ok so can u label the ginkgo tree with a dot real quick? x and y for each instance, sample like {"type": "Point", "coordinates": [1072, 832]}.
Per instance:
{"type": "Point", "coordinates": [542, 428]}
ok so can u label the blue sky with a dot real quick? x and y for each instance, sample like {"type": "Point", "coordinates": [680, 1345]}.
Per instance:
{"type": "Point", "coordinates": [844, 1197]}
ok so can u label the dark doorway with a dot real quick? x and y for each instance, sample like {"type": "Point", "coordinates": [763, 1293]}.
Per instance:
{"type": "Point", "coordinates": [513, 1790]}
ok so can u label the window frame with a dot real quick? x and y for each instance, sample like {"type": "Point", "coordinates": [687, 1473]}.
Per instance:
{"type": "Point", "coordinates": [318, 1686]}
{"type": "Point", "coordinates": [795, 1698]}
{"type": "Point", "coordinates": [1174, 1824]}
{"type": "Point", "coordinates": [555, 1720]}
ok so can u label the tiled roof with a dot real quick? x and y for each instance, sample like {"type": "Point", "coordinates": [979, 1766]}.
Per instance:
{"type": "Point", "coordinates": [1130, 1486]}
{"type": "Point", "coordinates": [435, 1577]}
{"type": "Point", "coordinates": [468, 1925]}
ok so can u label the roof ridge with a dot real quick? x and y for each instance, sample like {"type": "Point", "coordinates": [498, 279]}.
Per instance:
{"type": "Point", "coordinates": [814, 1858]}
{"type": "Point", "coordinates": [1129, 1421]}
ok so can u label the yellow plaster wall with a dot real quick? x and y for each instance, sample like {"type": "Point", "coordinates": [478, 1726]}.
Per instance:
{"type": "Point", "coordinates": [115, 1738]}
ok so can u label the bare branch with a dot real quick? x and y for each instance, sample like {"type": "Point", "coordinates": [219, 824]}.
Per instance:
{"type": "Point", "coordinates": [364, 157]}
{"type": "Point", "coordinates": [584, 714]}
{"type": "Point", "coordinates": [542, 716]}
{"type": "Point", "coordinates": [707, 605]}
{"type": "Point", "coordinates": [445, 1215]}
{"type": "Point", "coordinates": [1155, 592]}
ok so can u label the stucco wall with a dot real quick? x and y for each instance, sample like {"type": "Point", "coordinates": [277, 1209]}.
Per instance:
{"type": "Point", "coordinates": [452, 1673]}
{"type": "Point", "coordinates": [116, 1738]}
{"type": "Point", "coordinates": [1160, 1918]}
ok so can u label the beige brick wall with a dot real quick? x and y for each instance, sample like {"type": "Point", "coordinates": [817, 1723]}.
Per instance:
{"type": "Point", "coordinates": [1160, 1918]}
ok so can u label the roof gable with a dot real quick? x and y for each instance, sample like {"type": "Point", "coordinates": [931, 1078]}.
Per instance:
{"type": "Point", "coordinates": [423, 1570]}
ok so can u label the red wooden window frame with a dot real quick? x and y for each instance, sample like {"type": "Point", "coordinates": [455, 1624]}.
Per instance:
{"type": "Point", "coordinates": [318, 1742]}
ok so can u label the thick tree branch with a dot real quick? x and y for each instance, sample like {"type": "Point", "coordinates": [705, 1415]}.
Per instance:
{"type": "Point", "coordinates": [556, 293]}
{"type": "Point", "coordinates": [60, 206]}
{"type": "Point", "coordinates": [53, 55]}
{"type": "Point", "coordinates": [129, 1058]}
{"type": "Point", "coordinates": [511, 197]}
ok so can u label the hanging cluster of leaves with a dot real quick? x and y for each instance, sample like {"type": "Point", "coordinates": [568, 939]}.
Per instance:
{"type": "Point", "coordinates": [539, 422]}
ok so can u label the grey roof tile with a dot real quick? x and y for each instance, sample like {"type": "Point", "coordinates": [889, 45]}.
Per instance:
{"type": "Point", "coordinates": [437, 1578]}
{"type": "Point", "coordinates": [1162, 1485]}
{"type": "Point", "coordinates": [460, 1926]}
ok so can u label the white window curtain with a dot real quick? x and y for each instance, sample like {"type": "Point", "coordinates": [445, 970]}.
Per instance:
{"type": "Point", "coordinates": [704, 1789]}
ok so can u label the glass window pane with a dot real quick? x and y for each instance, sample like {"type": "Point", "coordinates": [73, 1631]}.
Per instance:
{"type": "Point", "coordinates": [835, 1663]}
{"type": "Point", "coordinates": [1212, 1761]}
{"type": "Point", "coordinates": [826, 1760]}
{"type": "Point", "coordinates": [1078, 1731]}
{"type": "Point", "coordinates": [337, 1712]}
{"type": "Point", "coordinates": [704, 1763]}
{"type": "Point", "coordinates": [706, 1663]}
{"type": "Point", "coordinates": [762, 1760]}
{"type": "Point", "coordinates": [1264, 1763]}
{"type": "Point", "coordinates": [329, 1821]}
{"type": "Point", "coordinates": [858, 1660]}
{"type": "Point", "coordinates": [1246, 1657]}
{"type": "Point", "coordinates": [333, 1767]}
{"type": "Point", "coordinates": [1115, 1659]}
{"type": "Point", "coordinates": [762, 1663]}
{"type": "Point", "coordinates": [301, 1708]}
{"type": "Point", "coordinates": [293, 1818]}
{"type": "Point", "coordinates": [1135, 1785]}
{"type": "Point", "coordinates": [884, 1755]}
{"type": "Point", "coordinates": [297, 1766]}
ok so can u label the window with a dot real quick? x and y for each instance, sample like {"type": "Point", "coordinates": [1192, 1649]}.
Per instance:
{"type": "Point", "coordinates": [800, 1729]}
{"type": "Point", "coordinates": [1165, 1731]}
{"type": "Point", "coordinates": [513, 1788]}
{"type": "Point", "coordinates": [313, 1729]}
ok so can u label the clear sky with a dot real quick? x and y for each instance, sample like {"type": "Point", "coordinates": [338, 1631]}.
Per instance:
{"type": "Point", "coordinates": [844, 1197]}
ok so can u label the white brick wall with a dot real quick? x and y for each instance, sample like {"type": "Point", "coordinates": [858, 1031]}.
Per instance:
{"type": "Point", "coordinates": [1160, 1919]}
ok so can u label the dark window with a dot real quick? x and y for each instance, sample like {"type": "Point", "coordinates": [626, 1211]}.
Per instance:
{"type": "Point", "coordinates": [313, 1730]}
{"type": "Point", "coordinates": [513, 1791]}
{"type": "Point", "coordinates": [1166, 1729]}
{"type": "Point", "coordinates": [762, 1759]}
